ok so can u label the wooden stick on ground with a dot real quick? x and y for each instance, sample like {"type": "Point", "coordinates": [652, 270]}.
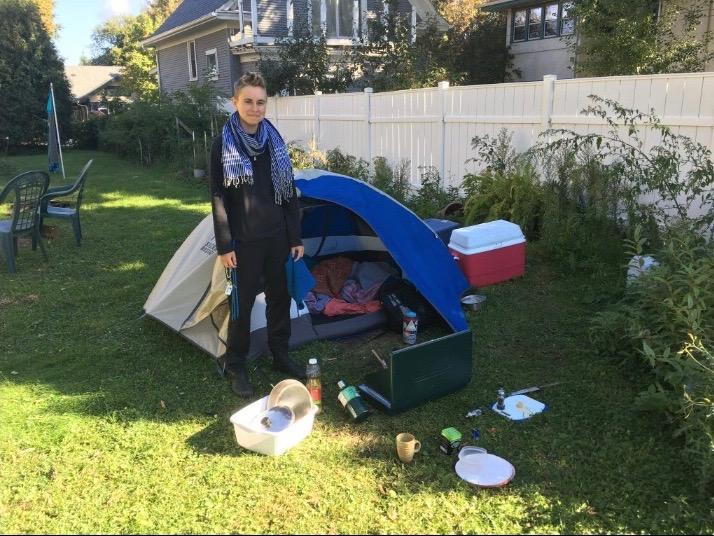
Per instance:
{"type": "Point", "coordinates": [379, 358]}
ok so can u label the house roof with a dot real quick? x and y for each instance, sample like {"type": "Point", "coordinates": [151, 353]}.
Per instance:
{"type": "Point", "coordinates": [500, 5]}
{"type": "Point", "coordinates": [86, 79]}
{"type": "Point", "coordinates": [188, 11]}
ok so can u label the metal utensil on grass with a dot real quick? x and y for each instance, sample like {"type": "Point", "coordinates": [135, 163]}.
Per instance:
{"type": "Point", "coordinates": [533, 389]}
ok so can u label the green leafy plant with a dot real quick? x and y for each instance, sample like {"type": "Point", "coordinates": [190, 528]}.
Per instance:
{"type": "Point", "coordinates": [672, 180]}
{"type": "Point", "coordinates": [507, 187]}
{"type": "Point", "coordinates": [85, 134]}
{"type": "Point", "coordinates": [346, 164]}
{"type": "Point", "coordinates": [495, 153]}
{"type": "Point", "coordinates": [147, 130]}
{"type": "Point", "coordinates": [303, 158]}
{"type": "Point", "coordinates": [392, 181]}
{"type": "Point", "coordinates": [665, 323]}
{"type": "Point", "coordinates": [623, 37]}
{"type": "Point", "coordinates": [579, 227]}
{"type": "Point", "coordinates": [432, 195]}
{"type": "Point", "coordinates": [303, 65]}
{"type": "Point", "coordinates": [515, 195]}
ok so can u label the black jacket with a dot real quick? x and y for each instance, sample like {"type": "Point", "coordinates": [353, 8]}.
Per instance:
{"type": "Point", "coordinates": [248, 212]}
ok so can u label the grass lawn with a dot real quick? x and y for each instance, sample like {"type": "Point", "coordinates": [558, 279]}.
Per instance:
{"type": "Point", "coordinates": [113, 423]}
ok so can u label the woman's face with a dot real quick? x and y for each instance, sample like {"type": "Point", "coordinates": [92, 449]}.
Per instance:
{"type": "Point", "coordinates": [250, 103]}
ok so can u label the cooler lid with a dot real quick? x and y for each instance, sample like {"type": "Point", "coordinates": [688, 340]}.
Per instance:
{"type": "Point", "coordinates": [489, 235]}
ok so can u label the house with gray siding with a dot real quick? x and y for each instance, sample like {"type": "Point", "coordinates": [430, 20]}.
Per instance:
{"type": "Point", "coordinates": [219, 41]}
{"type": "Point", "coordinates": [538, 33]}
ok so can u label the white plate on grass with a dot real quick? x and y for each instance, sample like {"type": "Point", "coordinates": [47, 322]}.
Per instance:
{"type": "Point", "coordinates": [485, 470]}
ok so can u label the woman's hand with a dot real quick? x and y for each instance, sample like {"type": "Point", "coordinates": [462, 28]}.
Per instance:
{"type": "Point", "coordinates": [297, 252]}
{"type": "Point", "coordinates": [229, 259]}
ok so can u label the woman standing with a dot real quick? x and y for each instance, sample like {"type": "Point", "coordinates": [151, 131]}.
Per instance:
{"type": "Point", "coordinates": [256, 222]}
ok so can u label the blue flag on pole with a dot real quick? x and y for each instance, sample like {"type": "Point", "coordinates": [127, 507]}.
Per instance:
{"type": "Point", "coordinates": [53, 143]}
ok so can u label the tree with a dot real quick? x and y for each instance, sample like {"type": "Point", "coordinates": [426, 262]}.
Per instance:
{"type": "Point", "coordinates": [47, 14]}
{"type": "Point", "coordinates": [483, 55]}
{"type": "Point", "coordinates": [28, 63]}
{"type": "Point", "coordinates": [472, 51]}
{"type": "Point", "coordinates": [159, 10]}
{"type": "Point", "coordinates": [477, 42]}
{"type": "Point", "coordinates": [623, 37]}
{"type": "Point", "coordinates": [118, 42]}
{"type": "Point", "coordinates": [303, 65]}
{"type": "Point", "coordinates": [386, 61]}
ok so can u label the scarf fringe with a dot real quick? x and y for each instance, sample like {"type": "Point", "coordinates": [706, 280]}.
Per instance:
{"type": "Point", "coordinates": [238, 181]}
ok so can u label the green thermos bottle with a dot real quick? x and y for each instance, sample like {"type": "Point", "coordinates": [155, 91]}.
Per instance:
{"type": "Point", "coordinates": [352, 402]}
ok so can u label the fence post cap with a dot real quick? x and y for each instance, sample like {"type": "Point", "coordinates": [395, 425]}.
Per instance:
{"type": "Point", "coordinates": [550, 77]}
{"type": "Point", "coordinates": [318, 92]}
{"type": "Point", "coordinates": [369, 90]}
{"type": "Point", "coordinates": [444, 84]}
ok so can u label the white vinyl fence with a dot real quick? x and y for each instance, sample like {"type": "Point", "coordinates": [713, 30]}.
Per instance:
{"type": "Point", "coordinates": [435, 126]}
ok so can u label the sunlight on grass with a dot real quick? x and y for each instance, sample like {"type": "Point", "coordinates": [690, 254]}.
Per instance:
{"type": "Point", "coordinates": [130, 267]}
{"type": "Point", "coordinates": [126, 200]}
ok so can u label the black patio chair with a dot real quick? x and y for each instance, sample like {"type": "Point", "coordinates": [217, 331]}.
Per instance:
{"type": "Point", "coordinates": [71, 195]}
{"type": "Point", "coordinates": [28, 188]}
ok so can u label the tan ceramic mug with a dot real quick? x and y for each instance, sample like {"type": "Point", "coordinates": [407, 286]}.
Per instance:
{"type": "Point", "coordinates": [407, 445]}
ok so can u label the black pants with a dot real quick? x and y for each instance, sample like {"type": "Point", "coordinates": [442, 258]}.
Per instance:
{"type": "Point", "coordinates": [261, 260]}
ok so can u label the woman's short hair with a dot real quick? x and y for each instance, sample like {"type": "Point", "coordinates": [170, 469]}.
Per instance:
{"type": "Point", "coordinates": [250, 78]}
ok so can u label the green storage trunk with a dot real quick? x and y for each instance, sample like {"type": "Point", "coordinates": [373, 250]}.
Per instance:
{"type": "Point", "coordinates": [420, 373]}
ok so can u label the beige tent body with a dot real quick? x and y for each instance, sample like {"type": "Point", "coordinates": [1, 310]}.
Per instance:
{"type": "Point", "coordinates": [190, 299]}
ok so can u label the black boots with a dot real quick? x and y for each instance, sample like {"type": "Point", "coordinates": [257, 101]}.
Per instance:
{"type": "Point", "coordinates": [283, 363]}
{"type": "Point", "coordinates": [238, 376]}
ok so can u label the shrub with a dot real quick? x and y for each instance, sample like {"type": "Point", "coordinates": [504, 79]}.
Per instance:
{"type": "Point", "coordinates": [508, 187]}
{"type": "Point", "coordinates": [579, 227]}
{"type": "Point", "coordinates": [85, 134]}
{"type": "Point", "coordinates": [147, 130]}
{"type": "Point", "coordinates": [656, 186]}
{"type": "Point", "coordinates": [515, 195]}
{"type": "Point", "coordinates": [302, 158]}
{"type": "Point", "coordinates": [495, 153]}
{"type": "Point", "coordinates": [431, 196]}
{"type": "Point", "coordinates": [345, 164]}
{"type": "Point", "coordinates": [665, 321]}
{"type": "Point", "coordinates": [392, 181]}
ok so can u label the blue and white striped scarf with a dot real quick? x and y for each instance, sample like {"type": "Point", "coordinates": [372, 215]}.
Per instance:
{"type": "Point", "coordinates": [239, 147]}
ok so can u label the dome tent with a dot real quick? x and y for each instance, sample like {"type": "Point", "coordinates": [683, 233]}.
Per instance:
{"type": "Point", "coordinates": [340, 215]}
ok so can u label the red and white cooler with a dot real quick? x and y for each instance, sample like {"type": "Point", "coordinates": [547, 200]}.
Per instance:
{"type": "Point", "coordinates": [490, 252]}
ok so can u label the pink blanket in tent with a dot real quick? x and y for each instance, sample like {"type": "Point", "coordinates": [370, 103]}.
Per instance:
{"type": "Point", "coordinates": [331, 274]}
{"type": "Point", "coordinates": [352, 292]}
{"type": "Point", "coordinates": [338, 291]}
{"type": "Point", "coordinates": [337, 307]}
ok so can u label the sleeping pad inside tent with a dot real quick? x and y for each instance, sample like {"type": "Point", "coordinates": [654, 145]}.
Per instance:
{"type": "Point", "coordinates": [360, 244]}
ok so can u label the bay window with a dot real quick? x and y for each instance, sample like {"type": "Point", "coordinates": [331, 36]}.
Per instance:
{"type": "Point", "coordinates": [553, 19]}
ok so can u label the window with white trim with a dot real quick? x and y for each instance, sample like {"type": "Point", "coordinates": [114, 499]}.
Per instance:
{"type": "Point", "coordinates": [553, 19]}
{"type": "Point", "coordinates": [212, 64]}
{"type": "Point", "coordinates": [192, 66]}
{"type": "Point", "coordinates": [336, 18]}
{"type": "Point", "coordinates": [567, 22]}
{"type": "Point", "coordinates": [535, 23]}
